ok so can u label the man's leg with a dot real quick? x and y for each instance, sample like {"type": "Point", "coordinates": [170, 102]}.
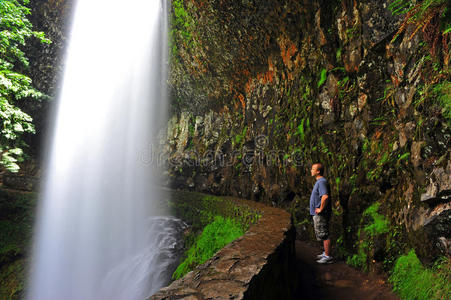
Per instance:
{"type": "Point", "coordinates": [326, 244]}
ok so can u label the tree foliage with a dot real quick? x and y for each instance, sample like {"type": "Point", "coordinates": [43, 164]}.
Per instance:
{"type": "Point", "coordinates": [15, 30]}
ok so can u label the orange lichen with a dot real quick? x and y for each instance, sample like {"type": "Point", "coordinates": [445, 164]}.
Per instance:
{"type": "Point", "coordinates": [270, 64]}
{"type": "Point", "coordinates": [241, 98]}
{"type": "Point", "coordinates": [262, 78]}
{"type": "Point", "coordinates": [395, 80]}
{"type": "Point", "coordinates": [242, 102]}
{"type": "Point", "coordinates": [287, 54]}
{"type": "Point", "coordinates": [198, 4]}
{"type": "Point", "coordinates": [377, 134]}
{"type": "Point", "coordinates": [287, 51]}
{"type": "Point", "coordinates": [200, 67]}
{"type": "Point", "coordinates": [247, 87]}
{"type": "Point", "coordinates": [445, 49]}
{"type": "Point", "coordinates": [266, 77]}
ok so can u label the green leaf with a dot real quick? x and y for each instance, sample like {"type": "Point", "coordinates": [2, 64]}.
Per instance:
{"type": "Point", "coordinates": [323, 77]}
{"type": "Point", "coordinates": [15, 31]}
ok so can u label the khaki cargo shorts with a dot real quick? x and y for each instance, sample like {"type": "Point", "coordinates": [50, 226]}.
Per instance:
{"type": "Point", "coordinates": [321, 225]}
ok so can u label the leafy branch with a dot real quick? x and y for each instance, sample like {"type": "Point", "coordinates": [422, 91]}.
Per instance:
{"type": "Point", "coordinates": [15, 30]}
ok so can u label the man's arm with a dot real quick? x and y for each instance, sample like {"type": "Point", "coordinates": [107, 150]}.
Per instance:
{"type": "Point", "coordinates": [324, 200]}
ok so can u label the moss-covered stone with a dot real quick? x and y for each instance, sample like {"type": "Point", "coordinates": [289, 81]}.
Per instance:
{"type": "Point", "coordinates": [16, 221]}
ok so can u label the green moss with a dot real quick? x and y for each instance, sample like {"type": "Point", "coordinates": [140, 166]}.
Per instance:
{"type": "Point", "coordinates": [200, 211]}
{"type": "Point", "coordinates": [300, 130]}
{"type": "Point", "coordinates": [379, 224]}
{"type": "Point", "coordinates": [412, 281]}
{"type": "Point", "coordinates": [181, 19]}
{"type": "Point", "coordinates": [338, 54]}
{"type": "Point", "coordinates": [240, 137]}
{"type": "Point", "coordinates": [442, 94]}
{"type": "Point", "coordinates": [181, 27]}
{"type": "Point", "coordinates": [12, 278]}
{"type": "Point", "coordinates": [395, 246]}
{"type": "Point", "coordinates": [191, 129]}
{"type": "Point", "coordinates": [322, 78]}
{"type": "Point", "coordinates": [359, 260]}
{"type": "Point", "coordinates": [376, 226]}
{"type": "Point", "coordinates": [215, 236]}
{"type": "Point", "coordinates": [16, 221]}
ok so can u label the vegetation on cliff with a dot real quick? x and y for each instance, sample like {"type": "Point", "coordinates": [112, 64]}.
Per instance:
{"type": "Point", "coordinates": [214, 222]}
{"type": "Point", "coordinates": [16, 220]}
{"type": "Point", "coordinates": [413, 281]}
{"type": "Point", "coordinates": [15, 85]}
{"type": "Point", "coordinates": [374, 227]}
{"type": "Point", "coordinates": [214, 237]}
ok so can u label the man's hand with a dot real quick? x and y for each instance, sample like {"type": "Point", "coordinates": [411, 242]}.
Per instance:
{"type": "Point", "coordinates": [324, 200]}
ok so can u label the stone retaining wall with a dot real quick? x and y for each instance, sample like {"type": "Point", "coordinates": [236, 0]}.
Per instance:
{"type": "Point", "coordinates": [258, 265]}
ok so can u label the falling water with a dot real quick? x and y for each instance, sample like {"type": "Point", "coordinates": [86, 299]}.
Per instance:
{"type": "Point", "coordinates": [94, 237]}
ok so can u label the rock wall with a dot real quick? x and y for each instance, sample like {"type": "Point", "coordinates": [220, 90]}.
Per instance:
{"type": "Point", "coordinates": [52, 17]}
{"type": "Point", "coordinates": [259, 265]}
{"type": "Point", "coordinates": [261, 90]}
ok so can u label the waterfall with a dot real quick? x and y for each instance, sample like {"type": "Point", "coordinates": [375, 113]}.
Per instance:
{"type": "Point", "coordinates": [97, 199]}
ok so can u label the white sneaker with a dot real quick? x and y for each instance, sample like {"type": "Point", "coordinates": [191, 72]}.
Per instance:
{"type": "Point", "coordinates": [319, 256]}
{"type": "Point", "coordinates": [325, 260]}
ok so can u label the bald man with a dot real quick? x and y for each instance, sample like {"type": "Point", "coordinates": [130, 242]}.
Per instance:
{"type": "Point", "coordinates": [321, 210]}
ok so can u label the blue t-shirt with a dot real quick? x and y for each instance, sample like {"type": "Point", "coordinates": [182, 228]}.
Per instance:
{"type": "Point", "coordinates": [321, 188]}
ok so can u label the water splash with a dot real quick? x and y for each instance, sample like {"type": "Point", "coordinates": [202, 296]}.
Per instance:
{"type": "Point", "coordinates": [149, 268]}
{"type": "Point", "coordinates": [98, 193]}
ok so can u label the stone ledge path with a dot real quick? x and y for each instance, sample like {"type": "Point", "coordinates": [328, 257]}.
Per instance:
{"type": "Point", "coordinates": [337, 280]}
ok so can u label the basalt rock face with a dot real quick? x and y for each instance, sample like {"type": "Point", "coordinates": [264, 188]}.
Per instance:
{"type": "Point", "coordinates": [52, 17]}
{"type": "Point", "coordinates": [261, 89]}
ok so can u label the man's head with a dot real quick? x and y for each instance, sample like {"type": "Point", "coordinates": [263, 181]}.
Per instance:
{"type": "Point", "coordinates": [317, 169]}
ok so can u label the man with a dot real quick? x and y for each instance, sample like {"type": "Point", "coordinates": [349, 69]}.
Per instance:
{"type": "Point", "coordinates": [321, 210]}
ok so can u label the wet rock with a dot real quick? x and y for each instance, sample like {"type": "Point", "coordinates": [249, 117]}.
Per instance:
{"type": "Point", "coordinates": [444, 244]}
{"type": "Point", "coordinates": [198, 126]}
{"type": "Point", "coordinates": [406, 132]}
{"type": "Point", "coordinates": [363, 99]}
{"type": "Point", "coordinates": [439, 188]}
{"type": "Point", "coordinates": [415, 153]}
{"type": "Point", "coordinates": [326, 97]}
{"type": "Point", "coordinates": [182, 129]}
{"type": "Point", "coordinates": [321, 38]}
{"type": "Point", "coordinates": [378, 22]}
{"type": "Point", "coordinates": [20, 182]}
{"type": "Point", "coordinates": [436, 223]}
{"type": "Point", "coordinates": [348, 25]}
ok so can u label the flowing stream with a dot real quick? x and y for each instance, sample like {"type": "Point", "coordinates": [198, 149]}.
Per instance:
{"type": "Point", "coordinates": [98, 235]}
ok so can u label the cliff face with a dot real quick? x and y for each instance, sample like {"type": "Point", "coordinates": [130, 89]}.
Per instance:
{"type": "Point", "coordinates": [260, 90]}
{"type": "Point", "coordinates": [52, 17]}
